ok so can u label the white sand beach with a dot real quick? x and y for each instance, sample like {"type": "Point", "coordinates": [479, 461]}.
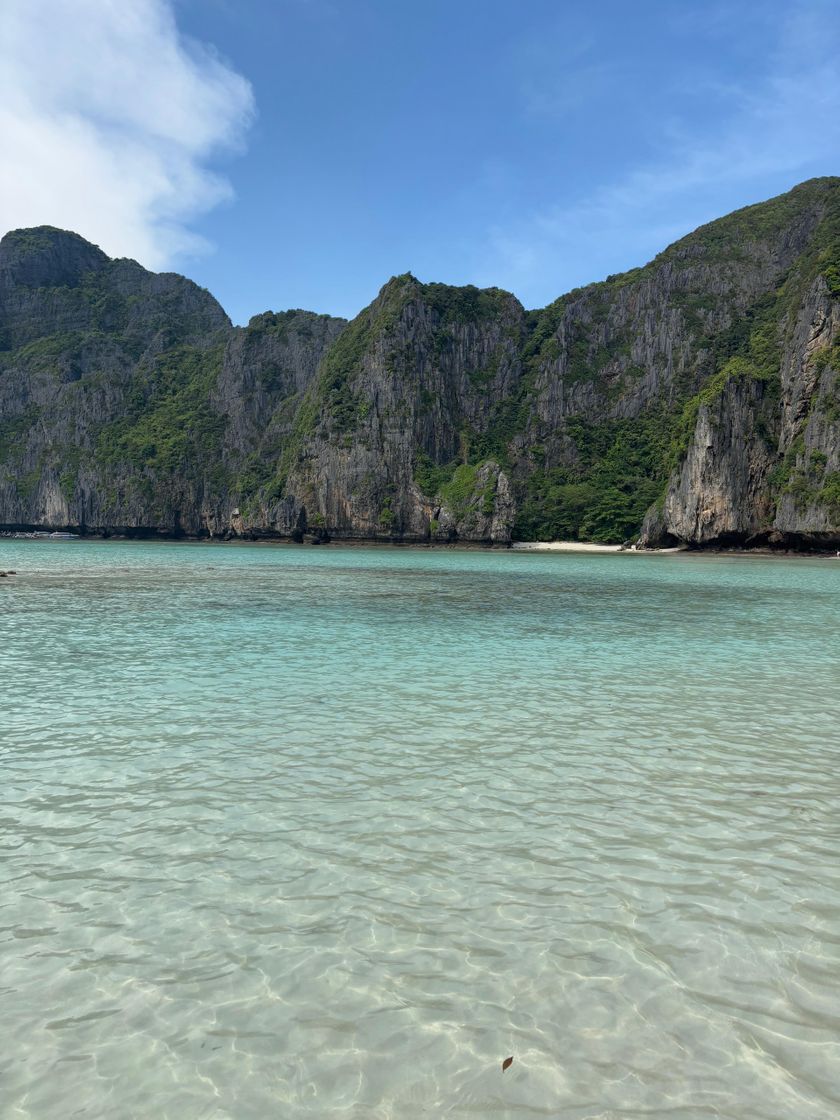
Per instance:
{"type": "Point", "coordinates": [565, 546]}
{"type": "Point", "coordinates": [586, 546]}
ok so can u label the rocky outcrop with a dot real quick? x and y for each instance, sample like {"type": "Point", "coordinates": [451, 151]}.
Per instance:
{"type": "Point", "coordinates": [808, 504]}
{"type": "Point", "coordinates": [763, 463]}
{"type": "Point", "coordinates": [720, 494]}
{"type": "Point", "coordinates": [384, 446]}
{"type": "Point", "coordinates": [128, 402]}
{"type": "Point", "coordinates": [695, 400]}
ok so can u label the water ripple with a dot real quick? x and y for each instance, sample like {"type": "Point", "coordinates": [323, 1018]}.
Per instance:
{"type": "Point", "coordinates": [330, 833]}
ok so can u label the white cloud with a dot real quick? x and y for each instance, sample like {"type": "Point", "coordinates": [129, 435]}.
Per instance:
{"type": "Point", "coordinates": [108, 118]}
{"type": "Point", "coordinates": [781, 125]}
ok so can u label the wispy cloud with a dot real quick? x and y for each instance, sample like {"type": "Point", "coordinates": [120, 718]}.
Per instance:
{"type": "Point", "coordinates": [559, 77]}
{"type": "Point", "coordinates": [108, 121]}
{"type": "Point", "coordinates": [781, 125]}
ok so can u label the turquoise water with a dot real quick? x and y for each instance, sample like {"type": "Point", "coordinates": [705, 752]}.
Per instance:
{"type": "Point", "coordinates": [295, 832]}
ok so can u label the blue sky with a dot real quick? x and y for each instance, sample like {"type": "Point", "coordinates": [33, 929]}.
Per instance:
{"type": "Point", "coordinates": [297, 153]}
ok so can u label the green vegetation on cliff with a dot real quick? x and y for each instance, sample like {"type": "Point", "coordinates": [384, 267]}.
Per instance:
{"type": "Point", "coordinates": [170, 423]}
{"type": "Point", "coordinates": [619, 471]}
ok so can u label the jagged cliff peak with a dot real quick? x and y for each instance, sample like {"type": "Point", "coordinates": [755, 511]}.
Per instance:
{"type": "Point", "coordinates": [44, 255]}
{"type": "Point", "coordinates": [280, 320]}
{"type": "Point", "coordinates": [768, 218]}
{"type": "Point", "coordinates": [54, 283]}
{"type": "Point", "coordinates": [406, 286]}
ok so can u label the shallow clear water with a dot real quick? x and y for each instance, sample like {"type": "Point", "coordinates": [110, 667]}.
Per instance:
{"type": "Point", "coordinates": [299, 832]}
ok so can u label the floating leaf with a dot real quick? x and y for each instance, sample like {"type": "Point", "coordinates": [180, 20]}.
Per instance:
{"type": "Point", "coordinates": [506, 1063]}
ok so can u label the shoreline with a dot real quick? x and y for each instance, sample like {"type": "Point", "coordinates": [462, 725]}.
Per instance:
{"type": "Point", "coordinates": [591, 546]}
{"type": "Point", "coordinates": [328, 541]}
{"type": "Point", "coordinates": [569, 546]}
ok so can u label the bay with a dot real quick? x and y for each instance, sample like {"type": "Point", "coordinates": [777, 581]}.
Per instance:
{"type": "Point", "coordinates": [331, 832]}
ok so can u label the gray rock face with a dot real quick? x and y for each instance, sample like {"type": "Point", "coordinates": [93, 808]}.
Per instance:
{"type": "Point", "coordinates": [720, 491]}
{"type": "Point", "coordinates": [46, 258]}
{"type": "Point", "coordinates": [763, 463]}
{"type": "Point", "coordinates": [408, 382]}
{"type": "Point", "coordinates": [809, 440]}
{"type": "Point", "coordinates": [695, 399]}
{"type": "Point", "coordinates": [128, 403]}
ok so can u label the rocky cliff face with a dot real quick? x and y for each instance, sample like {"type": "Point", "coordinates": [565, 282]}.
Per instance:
{"type": "Point", "coordinates": [384, 445]}
{"type": "Point", "coordinates": [695, 399]}
{"type": "Point", "coordinates": [762, 437]}
{"type": "Point", "coordinates": [128, 402]}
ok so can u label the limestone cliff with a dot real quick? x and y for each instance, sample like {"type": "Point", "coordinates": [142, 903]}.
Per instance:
{"type": "Point", "coordinates": [694, 399]}
{"type": "Point", "coordinates": [128, 402]}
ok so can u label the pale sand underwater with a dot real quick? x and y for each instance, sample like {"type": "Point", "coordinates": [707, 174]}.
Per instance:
{"type": "Point", "coordinates": [311, 833]}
